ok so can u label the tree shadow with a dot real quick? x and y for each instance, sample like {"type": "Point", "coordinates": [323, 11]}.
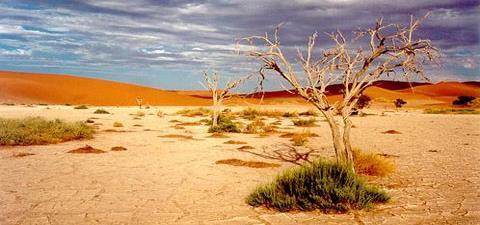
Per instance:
{"type": "Point", "coordinates": [286, 153]}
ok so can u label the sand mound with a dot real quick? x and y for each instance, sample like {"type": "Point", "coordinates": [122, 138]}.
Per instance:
{"type": "Point", "coordinates": [86, 149]}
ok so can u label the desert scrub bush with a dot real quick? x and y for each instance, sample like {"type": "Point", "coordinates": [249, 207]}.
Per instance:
{"type": "Point", "coordinates": [117, 124]}
{"type": "Point", "coordinates": [101, 111]}
{"type": "Point", "coordinates": [140, 114]}
{"type": "Point", "coordinates": [450, 111]}
{"type": "Point", "coordinates": [310, 112]}
{"type": "Point", "coordinates": [290, 114]}
{"type": "Point", "coordinates": [300, 139]}
{"type": "Point", "coordinates": [322, 185]}
{"type": "Point", "coordinates": [80, 107]}
{"type": "Point", "coordinates": [194, 112]}
{"type": "Point", "coordinates": [258, 127]}
{"type": "Point", "coordinates": [251, 113]}
{"type": "Point", "coordinates": [371, 164]}
{"type": "Point", "coordinates": [225, 124]}
{"type": "Point", "coordinates": [39, 131]}
{"type": "Point", "coordinates": [304, 122]}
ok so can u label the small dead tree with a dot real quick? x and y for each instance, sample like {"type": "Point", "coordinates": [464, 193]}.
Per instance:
{"type": "Point", "coordinates": [139, 101]}
{"type": "Point", "coordinates": [218, 95]}
{"type": "Point", "coordinates": [374, 52]}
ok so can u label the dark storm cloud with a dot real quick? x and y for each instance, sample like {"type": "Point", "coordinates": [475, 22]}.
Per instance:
{"type": "Point", "coordinates": [192, 35]}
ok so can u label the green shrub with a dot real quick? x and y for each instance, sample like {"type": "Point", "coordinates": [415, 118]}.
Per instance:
{"type": "Point", "coordinates": [225, 124]}
{"type": "Point", "coordinates": [80, 107]}
{"type": "Point", "coordinates": [101, 111]}
{"type": "Point", "coordinates": [38, 131]}
{"type": "Point", "coordinates": [322, 185]}
{"type": "Point", "coordinates": [450, 111]}
{"type": "Point", "coordinates": [304, 122]}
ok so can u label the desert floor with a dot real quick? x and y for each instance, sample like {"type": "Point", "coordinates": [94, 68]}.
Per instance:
{"type": "Point", "coordinates": [176, 181]}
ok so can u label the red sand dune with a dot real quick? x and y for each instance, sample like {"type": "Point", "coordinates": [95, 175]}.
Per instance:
{"type": "Point", "coordinates": [18, 87]}
{"type": "Point", "coordinates": [62, 89]}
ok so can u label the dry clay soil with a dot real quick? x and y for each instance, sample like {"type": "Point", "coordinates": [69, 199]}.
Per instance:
{"type": "Point", "coordinates": [176, 181]}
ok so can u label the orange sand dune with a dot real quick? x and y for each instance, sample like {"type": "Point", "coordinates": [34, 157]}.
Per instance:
{"type": "Point", "coordinates": [446, 89]}
{"type": "Point", "coordinates": [20, 87]}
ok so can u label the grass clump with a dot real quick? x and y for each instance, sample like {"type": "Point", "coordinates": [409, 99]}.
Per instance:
{"type": "Point", "coordinates": [194, 112]}
{"type": "Point", "coordinates": [225, 124]}
{"type": "Point", "coordinates": [117, 124]}
{"type": "Point", "coordinates": [101, 111]}
{"type": "Point", "coordinates": [80, 107]}
{"type": "Point", "coordinates": [258, 127]}
{"type": "Point", "coordinates": [309, 112]}
{"type": "Point", "coordinates": [371, 164]}
{"type": "Point", "coordinates": [304, 122]}
{"type": "Point", "coordinates": [322, 185]}
{"type": "Point", "coordinates": [39, 131]}
{"type": "Point", "coordinates": [300, 139]}
{"type": "Point", "coordinates": [251, 113]}
{"type": "Point", "coordinates": [251, 164]}
{"type": "Point", "coordinates": [450, 111]}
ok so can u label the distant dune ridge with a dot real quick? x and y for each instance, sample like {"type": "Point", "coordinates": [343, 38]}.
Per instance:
{"type": "Point", "coordinates": [31, 88]}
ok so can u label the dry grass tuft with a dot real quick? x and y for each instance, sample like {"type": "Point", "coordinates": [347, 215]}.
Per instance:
{"type": "Point", "coordinates": [22, 154]}
{"type": "Point", "coordinates": [251, 164]}
{"type": "Point", "coordinates": [101, 111]}
{"type": "Point", "coordinates": [291, 135]}
{"type": "Point", "coordinates": [140, 114]}
{"type": "Point", "coordinates": [258, 127]}
{"type": "Point", "coordinates": [391, 132]}
{"type": "Point", "coordinates": [86, 149]}
{"type": "Point", "coordinates": [117, 124]}
{"type": "Point", "coordinates": [80, 107]}
{"type": "Point", "coordinates": [118, 148]}
{"type": "Point", "coordinates": [189, 124]}
{"type": "Point", "coordinates": [372, 164]}
{"type": "Point", "coordinates": [232, 142]}
{"type": "Point", "coordinates": [246, 147]}
{"type": "Point", "coordinates": [180, 136]}
{"type": "Point", "coordinates": [194, 112]}
{"type": "Point", "coordinates": [137, 125]}
{"type": "Point", "coordinates": [218, 135]}
{"type": "Point", "coordinates": [300, 139]}
{"type": "Point", "coordinates": [304, 122]}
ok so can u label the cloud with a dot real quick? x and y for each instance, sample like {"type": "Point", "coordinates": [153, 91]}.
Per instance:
{"type": "Point", "coordinates": [150, 36]}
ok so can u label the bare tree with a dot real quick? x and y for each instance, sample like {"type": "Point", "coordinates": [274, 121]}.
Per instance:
{"type": "Point", "coordinates": [219, 95]}
{"type": "Point", "coordinates": [392, 50]}
{"type": "Point", "coordinates": [139, 101]}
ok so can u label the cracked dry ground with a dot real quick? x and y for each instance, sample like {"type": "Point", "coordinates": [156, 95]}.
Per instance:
{"type": "Point", "coordinates": [171, 181]}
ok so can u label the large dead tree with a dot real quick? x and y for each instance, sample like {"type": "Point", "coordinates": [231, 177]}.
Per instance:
{"type": "Point", "coordinates": [382, 50]}
{"type": "Point", "coordinates": [218, 95]}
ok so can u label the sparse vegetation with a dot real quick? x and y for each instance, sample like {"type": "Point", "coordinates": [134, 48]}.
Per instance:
{"type": "Point", "coordinates": [101, 111]}
{"type": "Point", "coordinates": [252, 164]}
{"type": "Point", "coordinates": [371, 164]}
{"type": "Point", "coordinates": [290, 114]}
{"type": "Point", "coordinates": [233, 142]}
{"type": "Point", "coordinates": [328, 186]}
{"type": "Point", "coordinates": [39, 131]}
{"type": "Point", "coordinates": [450, 111]}
{"type": "Point", "coordinates": [300, 139]}
{"type": "Point", "coordinates": [304, 122]}
{"type": "Point", "coordinates": [180, 136]}
{"type": "Point", "coordinates": [463, 100]}
{"type": "Point", "coordinates": [139, 114]}
{"type": "Point", "coordinates": [80, 107]}
{"type": "Point", "coordinates": [194, 112]}
{"type": "Point", "coordinates": [309, 112]}
{"type": "Point", "coordinates": [118, 148]}
{"type": "Point", "coordinates": [258, 127]}
{"type": "Point", "coordinates": [117, 124]}
{"type": "Point", "coordinates": [225, 124]}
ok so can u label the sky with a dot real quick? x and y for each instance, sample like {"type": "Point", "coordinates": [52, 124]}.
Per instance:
{"type": "Point", "coordinates": [167, 44]}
